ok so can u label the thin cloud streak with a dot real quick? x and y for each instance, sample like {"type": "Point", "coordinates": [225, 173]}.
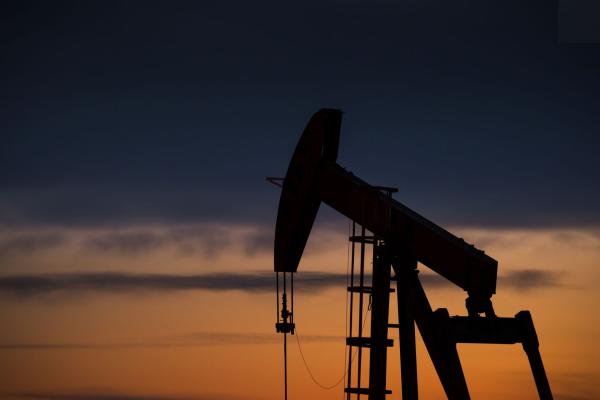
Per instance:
{"type": "Point", "coordinates": [24, 286]}
{"type": "Point", "coordinates": [209, 240]}
{"type": "Point", "coordinates": [111, 282]}
{"type": "Point", "coordinates": [206, 239]}
{"type": "Point", "coordinates": [520, 280]}
{"type": "Point", "coordinates": [100, 396]}
{"type": "Point", "coordinates": [31, 242]}
{"type": "Point", "coordinates": [528, 279]}
{"type": "Point", "coordinates": [196, 339]}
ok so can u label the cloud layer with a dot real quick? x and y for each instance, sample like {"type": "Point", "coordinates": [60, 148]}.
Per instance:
{"type": "Point", "coordinates": [206, 239]}
{"type": "Point", "coordinates": [98, 396]}
{"type": "Point", "coordinates": [35, 285]}
{"type": "Point", "coordinates": [193, 339]}
{"type": "Point", "coordinates": [259, 282]}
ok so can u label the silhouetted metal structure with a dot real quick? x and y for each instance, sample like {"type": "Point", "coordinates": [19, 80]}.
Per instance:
{"type": "Point", "coordinates": [400, 239]}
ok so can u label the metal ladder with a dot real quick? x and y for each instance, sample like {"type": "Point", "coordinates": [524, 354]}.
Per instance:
{"type": "Point", "coordinates": [361, 289]}
{"type": "Point", "coordinates": [358, 287]}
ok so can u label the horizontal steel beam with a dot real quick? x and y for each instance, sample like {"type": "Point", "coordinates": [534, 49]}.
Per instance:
{"type": "Point", "coordinates": [488, 330]}
{"type": "Point", "coordinates": [433, 246]}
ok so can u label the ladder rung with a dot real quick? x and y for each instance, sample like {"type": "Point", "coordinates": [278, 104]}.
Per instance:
{"type": "Point", "coordinates": [364, 289]}
{"type": "Point", "coordinates": [363, 239]}
{"type": "Point", "coordinates": [362, 391]}
{"type": "Point", "coordinates": [364, 342]}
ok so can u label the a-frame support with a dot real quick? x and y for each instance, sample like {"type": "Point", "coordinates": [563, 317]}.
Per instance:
{"type": "Point", "coordinates": [440, 332]}
{"type": "Point", "coordinates": [439, 345]}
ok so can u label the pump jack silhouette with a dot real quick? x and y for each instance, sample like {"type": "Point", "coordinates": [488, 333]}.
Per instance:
{"type": "Point", "coordinates": [400, 239]}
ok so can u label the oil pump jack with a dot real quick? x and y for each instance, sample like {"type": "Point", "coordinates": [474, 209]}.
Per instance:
{"type": "Point", "coordinates": [400, 238]}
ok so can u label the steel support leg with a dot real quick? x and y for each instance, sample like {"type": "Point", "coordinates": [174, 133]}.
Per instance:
{"type": "Point", "coordinates": [379, 323]}
{"type": "Point", "coordinates": [531, 347]}
{"type": "Point", "coordinates": [406, 327]}
{"type": "Point", "coordinates": [439, 343]}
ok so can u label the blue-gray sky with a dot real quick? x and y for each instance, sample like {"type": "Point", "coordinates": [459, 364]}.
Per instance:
{"type": "Point", "coordinates": [127, 112]}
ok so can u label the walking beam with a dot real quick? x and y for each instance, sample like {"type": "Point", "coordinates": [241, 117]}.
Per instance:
{"type": "Point", "coordinates": [314, 176]}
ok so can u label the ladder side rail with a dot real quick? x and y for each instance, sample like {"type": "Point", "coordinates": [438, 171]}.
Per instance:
{"type": "Point", "coordinates": [360, 312]}
{"type": "Point", "coordinates": [351, 311]}
{"type": "Point", "coordinates": [406, 329]}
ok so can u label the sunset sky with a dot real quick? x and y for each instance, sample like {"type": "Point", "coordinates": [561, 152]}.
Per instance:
{"type": "Point", "coordinates": [136, 224]}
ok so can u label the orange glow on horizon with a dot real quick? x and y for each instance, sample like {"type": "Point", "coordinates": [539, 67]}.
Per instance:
{"type": "Point", "coordinates": [141, 344]}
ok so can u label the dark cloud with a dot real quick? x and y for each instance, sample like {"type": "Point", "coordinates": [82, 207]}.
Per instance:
{"type": "Point", "coordinates": [260, 241]}
{"type": "Point", "coordinates": [127, 243]}
{"type": "Point", "coordinates": [309, 281]}
{"type": "Point", "coordinates": [216, 338]}
{"type": "Point", "coordinates": [185, 340]}
{"type": "Point", "coordinates": [529, 279]}
{"type": "Point", "coordinates": [209, 240]}
{"type": "Point", "coordinates": [575, 384]}
{"type": "Point", "coordinates": [100, 396]}
{"type": "Point", "coordinates": [31, 242]}
{"type": "Point", "coordinates": [36, 285]}
{"type": "Point", "coordinates": [584, 240]}
{"type": "Point", "coordinates": [434, 281]}
{"type": "Point", "coordinates": [571, 396]}
{"type": "Point", "coordinates": [519, 280]}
